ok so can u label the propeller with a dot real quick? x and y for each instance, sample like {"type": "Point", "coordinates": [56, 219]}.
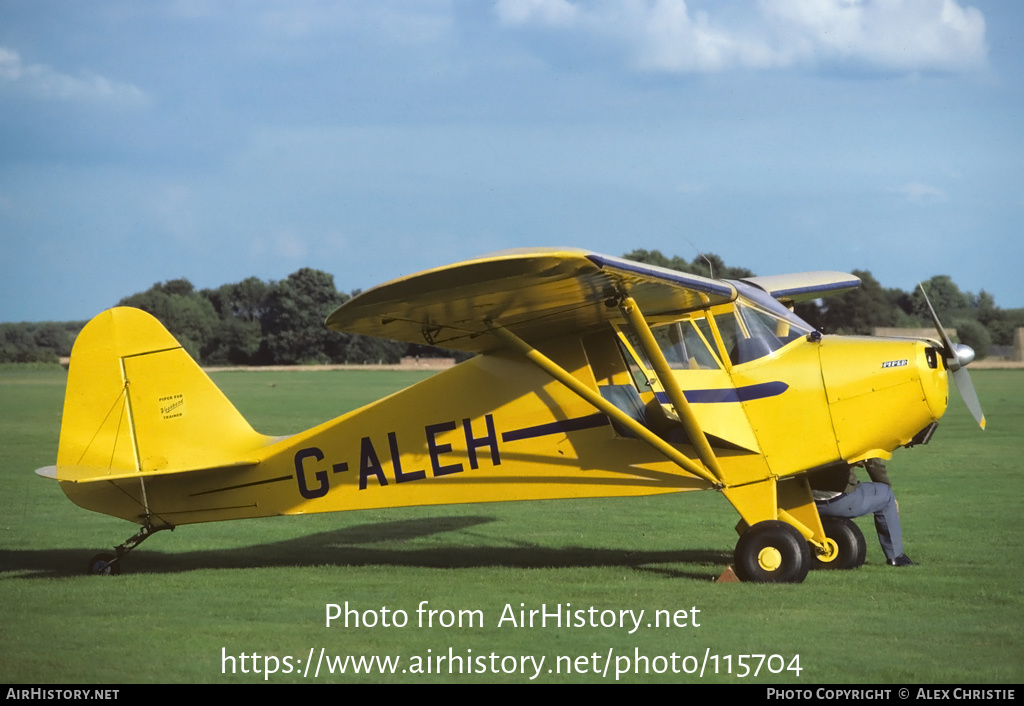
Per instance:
{"type": "Point", "coordinates": [958, 356]}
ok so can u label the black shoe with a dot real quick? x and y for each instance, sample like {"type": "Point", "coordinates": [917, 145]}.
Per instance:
{"type": "Point", "coordinates": [902, 560]}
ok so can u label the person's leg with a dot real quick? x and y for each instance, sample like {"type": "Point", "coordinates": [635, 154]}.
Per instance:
{"type": "Point", "coordinates": [876, 499]}
{"type": "Point", "coordinates": [887, 518]}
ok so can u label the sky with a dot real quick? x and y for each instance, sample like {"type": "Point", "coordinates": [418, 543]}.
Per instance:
{"type": "Point", "coordinates": [217, 140]}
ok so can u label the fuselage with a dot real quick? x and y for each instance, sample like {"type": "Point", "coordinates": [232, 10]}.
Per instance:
{"type": "Point", "coordinates": [774, 399]}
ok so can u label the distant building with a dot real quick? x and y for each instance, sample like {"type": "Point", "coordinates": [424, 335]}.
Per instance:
{"type": "Point", "coordinates": [929, 332]}
{"type": "Point", "coordinates": [427, 363]}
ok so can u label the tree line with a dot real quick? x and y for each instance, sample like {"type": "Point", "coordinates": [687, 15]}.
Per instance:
{"type": "Point", "coordinates": [254, 322]}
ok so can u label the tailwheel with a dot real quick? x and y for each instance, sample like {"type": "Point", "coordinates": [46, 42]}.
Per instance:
{"type": "Point", "coordinates": [846, 543]}
{"type": "Point", "coordinates": [772, 552]}
{"type": "Point", "coordinates": [104, 564]}
{"type": "Point", "coordinates": [107, 564]}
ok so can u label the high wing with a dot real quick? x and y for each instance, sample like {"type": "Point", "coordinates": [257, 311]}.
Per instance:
{"type": "Point", "coordinates": [805, 285]}
{"type": "Point", "coordinates": [535, 293]}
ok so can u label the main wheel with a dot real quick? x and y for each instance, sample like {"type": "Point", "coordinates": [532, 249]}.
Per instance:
{"type": "Point", "coordinates": [772, 552]}
{"type": "Point", "coordinates": [849, 547]}
{"type": "Point", "coordinates": [104, 564]}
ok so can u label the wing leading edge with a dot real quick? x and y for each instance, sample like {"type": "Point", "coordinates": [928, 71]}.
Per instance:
{"type": "Point", "coordinates": [535, 293]}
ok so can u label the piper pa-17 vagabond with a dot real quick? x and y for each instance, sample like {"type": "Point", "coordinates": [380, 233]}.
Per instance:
{"type": "Point", "coordinates": [595, 377]}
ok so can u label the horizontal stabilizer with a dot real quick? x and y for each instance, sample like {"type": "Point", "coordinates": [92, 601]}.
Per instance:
{"type": "Point", "coordinates": [87, 474]}
{"type": "Point", "coordinates": [47, 472]}
{"type": "Point", "coordinates": [804, 286]}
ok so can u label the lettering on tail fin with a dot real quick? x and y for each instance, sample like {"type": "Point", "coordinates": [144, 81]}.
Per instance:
{"type": "Point", "coordinates": [172, 406]}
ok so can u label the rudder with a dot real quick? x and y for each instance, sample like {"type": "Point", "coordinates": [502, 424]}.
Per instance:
{"type": "Point", "coordinates": [136, 403]}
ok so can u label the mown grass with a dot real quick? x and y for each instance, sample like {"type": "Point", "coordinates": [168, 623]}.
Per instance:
{"type": "Point", "coordinates": [261, 586]}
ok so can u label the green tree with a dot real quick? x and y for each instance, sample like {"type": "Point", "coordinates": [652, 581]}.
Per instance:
{"type": "Point", "coordinates": [293, 323]}
{"type": "Point", "coordinates": [189, 316]}
{"type": "Point", "coordinates": [233, 342]}
{"type": "Point", "coordinates": [705, 265]}
{"type": "Point", "coordinates": [238, 334]}
{"type": "Point", "coordinates": [1000, 323]}
{"type": "Point", "coordinates": [974, 334]}
{"type": "Point", "coordinates": [860, 310]}
{"type": "Point", "coordinates": [946, 298]}
{"type": "Point", "coordinates": [245, 300]}
{"type": "Point", "coordinates": [18, 345]}
{"type": "Point", "coordinates": [654, 257]}
{"type": "Point", "coordinates": [372, 350]}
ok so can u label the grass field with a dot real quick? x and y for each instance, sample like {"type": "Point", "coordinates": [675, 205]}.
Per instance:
{"type": "Point", "coordinates": [190, 597]}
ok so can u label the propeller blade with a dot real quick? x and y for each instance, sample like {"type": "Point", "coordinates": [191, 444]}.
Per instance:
{"type": "Point", "coordinates": [957, 358]}
{"type": "Point", "coordinates": [947, 345]}
{"type": "Point", "coordinates": [962, 378]}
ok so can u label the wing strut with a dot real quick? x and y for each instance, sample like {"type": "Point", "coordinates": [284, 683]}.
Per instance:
{"type": "Point", "coordinates": [593, 397]}
{"type": "Point", "coordinates": [668, 383]}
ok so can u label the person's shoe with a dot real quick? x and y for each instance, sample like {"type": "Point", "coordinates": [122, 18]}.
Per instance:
{"type": "Point", "coordinates": [902, 560]}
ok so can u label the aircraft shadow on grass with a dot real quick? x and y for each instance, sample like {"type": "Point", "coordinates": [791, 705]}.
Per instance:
{"type": "Point", "coordinates": [355, 546]}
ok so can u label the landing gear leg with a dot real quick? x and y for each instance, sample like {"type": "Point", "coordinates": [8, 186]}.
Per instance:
{"type": "Point", "coordinates": [107, 564]}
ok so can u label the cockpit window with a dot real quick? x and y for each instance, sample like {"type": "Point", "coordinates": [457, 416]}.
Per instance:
{"type": "Point", "coordinates": [767, 302]}
{"type": "Point", "coordinates": [758, 333]}
{"type": "Point", "coordinates": [755, 326]}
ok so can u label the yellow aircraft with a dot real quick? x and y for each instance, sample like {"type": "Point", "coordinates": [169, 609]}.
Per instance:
{"type": "Point", "coordinates": [595, 377]}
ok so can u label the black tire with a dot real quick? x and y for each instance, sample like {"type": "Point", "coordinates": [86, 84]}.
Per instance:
{"type": "Point", "coordinates": [853, 549]}
{"type": "Point", "coordinates": [104, 564]}
{"type": "Point", "coordinates": [772, 552]}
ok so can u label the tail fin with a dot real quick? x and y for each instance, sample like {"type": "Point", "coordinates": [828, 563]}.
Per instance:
{"type": "Point", "coordinates": [136, 403]}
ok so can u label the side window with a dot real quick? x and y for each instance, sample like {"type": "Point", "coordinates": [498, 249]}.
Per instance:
{"type": "Point", "coordinates": [701, 348]}
{"type": "Point", "coordinates": [635, 358]}
{"type": "Point", "coordinates": [684, 348]}
{"type": "Point", "coordinates": [745, 337]}
{"type": "Point", "coordinates": [729, 328]}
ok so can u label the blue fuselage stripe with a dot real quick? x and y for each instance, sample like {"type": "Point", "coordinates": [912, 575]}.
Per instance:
{"type": "Point", "coordinates": [591, 421]}
{"type": "Point", "coordinates": [746, 393]}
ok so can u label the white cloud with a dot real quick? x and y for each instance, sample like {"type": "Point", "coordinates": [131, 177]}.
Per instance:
{"type": "Point", "coordinates": [668, 35]}
{"type": "Point", "coordinates": [904, 35]}
{"type": "Point", "coordinates": [921, 193]}
{"type": "Point", "coordinates": [553, 13]}
{"type": "Point", "coordinates": [674, 40]}
{"type": "Point", "coordinates": [46, 82]}
{"type": "Point", "coordinates": [289, 244]}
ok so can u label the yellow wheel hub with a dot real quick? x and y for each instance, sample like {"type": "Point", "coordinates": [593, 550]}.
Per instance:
{"type": "Point", "coordinates": [829, 552]}
{"type": "Point", "coordinates": [769, 558]}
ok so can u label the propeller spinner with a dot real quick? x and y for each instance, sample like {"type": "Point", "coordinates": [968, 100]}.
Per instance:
{"type": "Point", "coordinates": [957, 357]}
